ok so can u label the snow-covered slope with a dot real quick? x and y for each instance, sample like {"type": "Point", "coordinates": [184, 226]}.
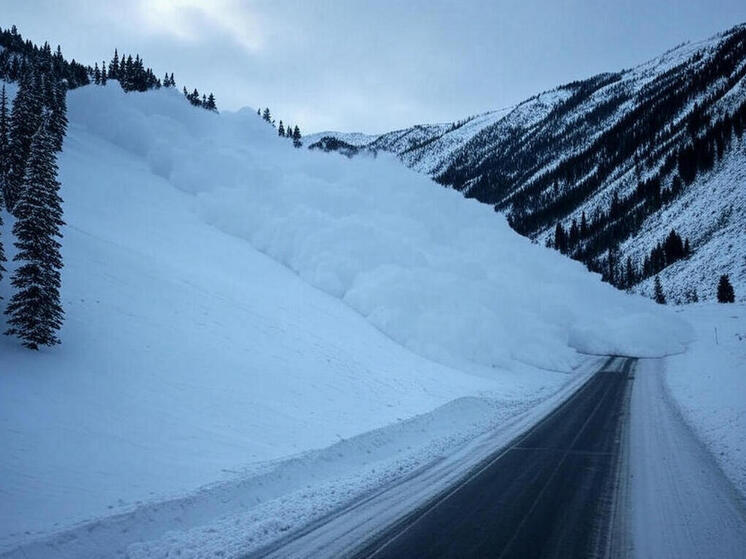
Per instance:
{"type": "Point", "coordinates": [585, 146]}
{"type": "Point", "coordinates": [232, 301]}
{"type": "Point", "coordinates": [712, 214]}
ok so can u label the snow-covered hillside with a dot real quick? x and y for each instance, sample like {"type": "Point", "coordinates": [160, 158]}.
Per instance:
{"type": "Point", "coordinates": [231, 301]}
{"type": "Point", "coordinates": [712, 213]}
{"type": "Point", "coordinates": [566, 152]}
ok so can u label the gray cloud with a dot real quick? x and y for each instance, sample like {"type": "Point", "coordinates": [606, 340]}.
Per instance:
{"type": "Point", "coordinates": [373, 65]}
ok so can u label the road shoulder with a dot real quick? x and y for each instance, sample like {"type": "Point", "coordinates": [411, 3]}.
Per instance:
{"type": "Point", "coordinates": [680, 503]}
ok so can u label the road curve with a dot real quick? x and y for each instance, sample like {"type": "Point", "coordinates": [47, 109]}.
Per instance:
{"type": "Point", "coordinates": [550, 494]}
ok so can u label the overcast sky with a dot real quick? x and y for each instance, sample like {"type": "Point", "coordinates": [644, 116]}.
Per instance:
{"type": "Point", "coordinates": [372, 65]}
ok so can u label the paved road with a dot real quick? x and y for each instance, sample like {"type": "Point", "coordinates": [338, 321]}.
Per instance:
{"type": "Point", "coordinates": [550, 494]}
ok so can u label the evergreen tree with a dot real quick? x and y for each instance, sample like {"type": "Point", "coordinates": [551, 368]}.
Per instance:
{"type": "Point", "coordinates": [210, 105]}
{"type": "Point", "coordinates": [125, 73]}
{"type": "Point", "coordinates": [574, 233]}
{"type": "Point", "coordinates": [266, 115]}
{"type": "Point", "coordinates": [560, 238]}
{"type": "Point", "coordinates": [660, 298]}
{"type": "Point", "coordinates": [674, 248]}
{"type": "Point", "coordinates": [194, 97]}
{"type": "Point", "coordinates": [96, 74]}
{"type": "Point", "coordinates": [726, 294]}
{"type": "Point", "coordinates": [104, 75]}
{"type": "Point", "coordinates": [172, 80]}
{"type": "Point", "coordinates": [57, 105]}
{"type": "Point", "coordinates": [281, 130]}
{"type": "Point", "coordinates": [630, 274]}
{"type": "Point", "coordinates": [24, 121]}
{"type": "Point", "coordinates": [2, 250]}
{"type": "Point", "coordinates": [611, 275]}
{"type": "Point", "coordinates": [114, 66]}
{"type": "Point", "coordinates": [58, 62]}
{"type": "Point", "coordinates": [35, 311]}
{"type": "Point", "coordinates": [4, 139]}
{"type": "Point", "coordinates": [166, 81]}
{"type": "Point", "coordinates": [136, 74]}
{"type": "Point", "coordinates": [296, 137]}
{"type": "Point", "coordinates": [3, 166]}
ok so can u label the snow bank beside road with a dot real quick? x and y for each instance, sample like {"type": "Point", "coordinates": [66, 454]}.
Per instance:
{"type": "Point", "coordinates": [708, 383]}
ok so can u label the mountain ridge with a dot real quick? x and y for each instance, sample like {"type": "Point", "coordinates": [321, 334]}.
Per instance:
{"type": "Point", "coordinates": [625, 148]}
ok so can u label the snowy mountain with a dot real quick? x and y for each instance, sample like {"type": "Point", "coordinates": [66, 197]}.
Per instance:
{"type": "Point", "coordinates": [640, 152]}
{"type": "Point", "coordinates": [231, 302]}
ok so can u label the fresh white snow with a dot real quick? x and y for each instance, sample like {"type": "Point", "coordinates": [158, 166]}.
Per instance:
{"type": "Point", "coordinates": [232, 302]}
{"type": "Point", "coordinates": [708, 383]}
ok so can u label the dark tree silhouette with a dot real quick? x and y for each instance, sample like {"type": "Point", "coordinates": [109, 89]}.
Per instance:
{"type": "Point", "coordinates": [4, 142]}
{"type": "Point", "coordinates": [3, 167]}
{"type": "Point", "coordinates": [726, 293]}
{"type": "Point", "coordinates": [210, 104]}
{"type": "Point", "coordinates": [56, 101]}
{"type": "Point", "coordinates": [114, 66]}
{"type": "Point", "coordinates": [35, 312]}
{"type": "Point", "coordinates": [24, 121]}
{"type": "Point", "coordinates": [659, 296]}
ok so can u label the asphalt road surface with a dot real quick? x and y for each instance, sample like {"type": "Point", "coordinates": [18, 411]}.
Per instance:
{"type": "Point", "coordinates": [550, 494]}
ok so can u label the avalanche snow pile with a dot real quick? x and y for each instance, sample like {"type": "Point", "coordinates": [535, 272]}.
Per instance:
{"type": "Point", "coordinates": [556, 156]}
{"type": "Point", "coordinates": [189, 357]}
{"type": "Point", "coordinates": [443, 276]}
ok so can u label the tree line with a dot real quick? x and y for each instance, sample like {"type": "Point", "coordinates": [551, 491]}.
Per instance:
{"type": "Point", "coordinates": [17, 52]}
{"type": "Point", "coordinates": [133, 76]}
{"type": "Point", "coordinates": [32, 132]}
{"type": "Point", "coordinates": [31, 136]}
{"type": "Point", "coordinates": [725, 291]}
{"type": "Point", "coordinates": [291, 132]}
{"type": "Point", "coordinates": [130, 72]}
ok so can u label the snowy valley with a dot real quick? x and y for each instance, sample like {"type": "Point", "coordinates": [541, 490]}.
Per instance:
{"type": "Point", "coordinates": [258, 336]}
{"type": "Point", "coordinates": [232, 301]}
